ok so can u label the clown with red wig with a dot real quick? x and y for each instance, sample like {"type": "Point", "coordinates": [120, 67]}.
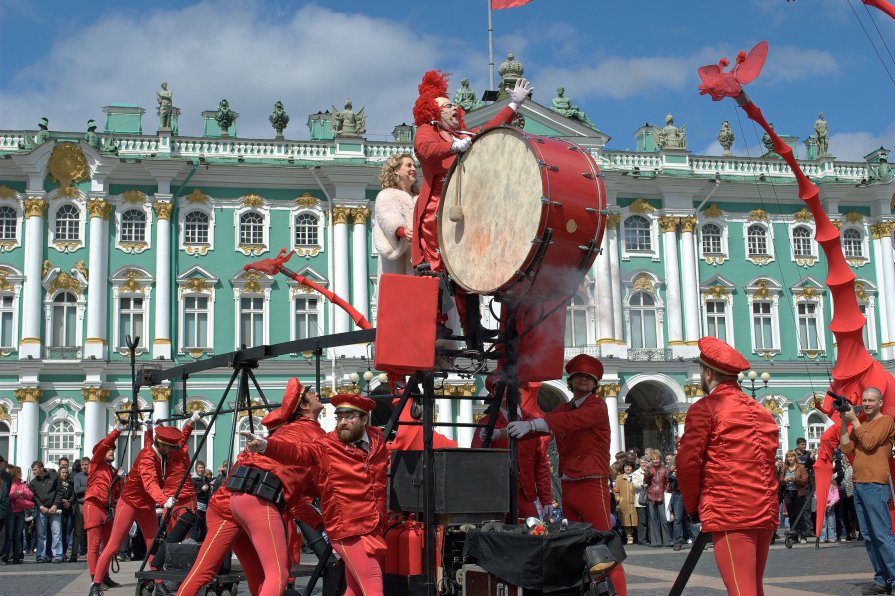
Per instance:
{"type": "Point", "coordinates": [441, 136]}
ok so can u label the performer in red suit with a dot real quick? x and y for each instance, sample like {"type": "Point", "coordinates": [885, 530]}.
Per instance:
{"type": "Point", "coordinates": [410, 436]}
{"type": "Point", "coordinates": [248, 522]}
{"type": "Point", "coordinates": [581, 430]}
{"type": "Point", "coordinates": [534, 484]}
{"type": "Point", "coordinates": [142, 493]}
{"type": "Point", "coordinates": [725, 469]}
{"type": "Point", "coordinates": [349, 466]}
{"type": "Point", "coordinates": [440, 136]}
{"type": "Point", "coordinates": [103, 490]}
{"type": "Point", "coordinates": [175, 468]}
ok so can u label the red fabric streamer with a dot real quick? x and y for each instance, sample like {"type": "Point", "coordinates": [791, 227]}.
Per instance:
{"type": "Point", "coordinates": [500, 4]}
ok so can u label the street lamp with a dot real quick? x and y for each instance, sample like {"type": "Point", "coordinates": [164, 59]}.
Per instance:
{"type": "Point", "coordinates": [752, 376]}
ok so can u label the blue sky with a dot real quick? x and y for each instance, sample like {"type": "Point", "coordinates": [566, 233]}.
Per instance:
{"type": "Point", "coordinates": [624, 63]}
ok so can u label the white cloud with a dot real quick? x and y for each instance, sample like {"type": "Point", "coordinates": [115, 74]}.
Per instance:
{"type": "Point", "coordinates": [853, 146]}
{"type": "Point", "coordinates": [310, 58]}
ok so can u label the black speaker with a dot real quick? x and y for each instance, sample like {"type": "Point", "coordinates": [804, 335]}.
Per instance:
{"type": "Point", "coordinates": [471, 485]}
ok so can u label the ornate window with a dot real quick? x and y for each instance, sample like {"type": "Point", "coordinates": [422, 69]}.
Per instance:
{"type": "Point", "coordinates": [252, 223]}
{"type": "Point", "coordinates": [196, 296]}
{"type": "Point", "coordinates": [809, 334]}
{"type": "Point", "coordinates": [135, 439]}
{"type": "Point", "coordinates": [251, 292]}
{"type": "Point", "coordinates": [5, 436]}
{"type": "Point", "coordinates": [133, 226]}
{"type": "Point", "coordinates": [131, 317]}
{"type": "Point", "coordinates": [251, 229]}
{"type": "Point", "coordinates": [195, 323]}
{"type": "Point", "coordinates": [643, 321]}
{"type": "Point", "coordinates": [809, 317]}
{"type": "Point", "coordinates": [717, 318]}
{"type": "Point", "coordinates": [306, 230]}
{"type": "Point", "coordinates": [251, 321]}
{"type": "Point", "coordinates": [61, 441]}
{"type": "Point", "coordinates": [866, 295]}
{"type": "Point", "coordinates": [64, 321]}
{"type": "Point", "coordinates": [196, 225]}
{"type": "Point", "coordinates": [757, 241]}
{"type": "Point", "coordinates": [68, 219]}
{"type": "Point", "coordinates": [192, 443]}
{"type": "Point", "coordinates": [131, 292]}
{"type": "Point", "coordinates": [853, 243]}
{"type": "Point", "coordinates": [307, 316]}
{"type": "Point", "coordinates": [711, 240]}
{"type": "Point", "coordinates": [7, 322]}
{"type": "Point", "coordinates": [763, 295]}
{"type": "Point", "coordinates": [762, 325]}
{"type": "Point", "coordinates": [8, 224]}
{"type": "Point", "coordinates": [244, 426]}
{"type": "Point", "coordinates": [64, 308]}
{"type": "Point", "coordinates": [801, 242]}
{"type": "Point", "coordinates": [815, 426]}
{"type": "Point", "coordinates": [576, 322]}
{"type": "Point", "coordinates": [638, 234]}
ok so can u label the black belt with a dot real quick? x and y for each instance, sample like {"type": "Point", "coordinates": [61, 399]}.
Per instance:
{"type": "Point", "coordinates": [255, 481]}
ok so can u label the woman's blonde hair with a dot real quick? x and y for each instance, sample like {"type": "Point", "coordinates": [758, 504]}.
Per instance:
{"type": "Point", "coordinates": [792, 453]}
{"type": "Point", "coordinates": [388, 177]}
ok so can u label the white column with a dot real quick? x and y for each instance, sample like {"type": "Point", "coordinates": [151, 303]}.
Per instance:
{"type": "Point", "coordinates": [464, 434]}
{"type": "Point", "coordinates": [29, 427]}
{"type": "Point", "coordinates": [360, 295]}
{"type": "Point", "coordinates": [30, 344]}
{"type": "Point", "coordinates": [340, 265]}
{"type": "Point", "coordinates": [672, 281]}
{"type": "Point", "coordinates": [445, 414]}
{"type": "Point", "coordinates": [679, 419]}
{"type": "Point", "coordinates": [880, 310]}
{"type": "Point", "coordinates": [690, 277]}
{"type": "Point", "coordinates": [887, 297]}
{"type": "Point", "coordinates": [616, 441]}
{"type": "Point", "coordinates": [161, 343]}
{"type": "Point", "coordinates": [605, 330]}
{"type": "Point", "coordinates": [160, 399]}
{"type": "Point", "coordinates": [98, 284]}
{"type": "Point", "coordinates": [94, 416]}
{"type": "Point", "coordinates": [615, 279]}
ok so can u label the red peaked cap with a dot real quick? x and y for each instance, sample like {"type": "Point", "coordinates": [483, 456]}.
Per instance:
{"type": "Point", "coordinates": [433, 86]}
{"type": "Point", "coordinates": [291, 399]}
{"type": "Point", "coordinates": [719, 356]}
{"type": "Point", "coordinates": [97, 445]}
{"type": "Point", "coordinates": [167, 435]}
{"type": "Point", "coordinates": [353, 401]}
{"type": "Point", "coordinates": [585, 365]}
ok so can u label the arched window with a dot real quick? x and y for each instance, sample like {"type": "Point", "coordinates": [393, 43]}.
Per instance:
{"type": "Point", "coordinates": [711, 239]}
{"type": "Point", "coordinates": [4, 440]}
{"type": "Point", "coordinates": [244, 426]}
{"type": "Point", "coordinates": [64, 321]}
{"type": "Point", "coordinates": [133, 226]}
{"type": "Point", "coordinates": [643, 321]}
{"type": "Point", "coordinates": [60, 441]}
{"type": "Point", "coordinates": [68, 223]}
{"type": "Point", "coordinates": [757, 241]}
{"type": "Point", "coordinates": [576, 322]}
{"type": "Point", "coordinates": [852, 244]}
{"type": "Point", "coordinates": [7, 223]}
{"type": "Point", "coordinates": [638, 236]}
{"type": "Point", "coordinates": [801, 241]}
{"type": "Point", "coordinates": [781, 448]}
{"type": "Point", "coordinates": [251, 228]}
{"type": "Point", "coordinates": [306, 226]}
{"type": "Point", "coordinates": [195, 228]}
{"type": "Point", "coordinates": [814, 428]}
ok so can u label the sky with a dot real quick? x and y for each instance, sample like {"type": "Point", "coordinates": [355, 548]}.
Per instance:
{"type": "Point", "coordinates": [623, 63]}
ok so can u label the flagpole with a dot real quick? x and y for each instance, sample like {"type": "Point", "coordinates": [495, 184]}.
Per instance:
{"type": "Point", "coordinates": [490, 49]}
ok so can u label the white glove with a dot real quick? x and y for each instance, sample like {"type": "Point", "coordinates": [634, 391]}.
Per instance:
{"type": "Point", "coordinates": [149, 424]}
{"type": "Point", "coordinates": [120, 427]}
{"type": "Point", "coordinates": [169, 503]}
{"type": "Point", "coordinates": [461, 145]}
{"type": "Point", "coordinates": [254, 443]}
{"type": "Point", "coordinates": [546, 512]}
{"type": "Point", "coordinates": [519, 428]}
{"type": "Point", "coordinates": [495, 435]}
{"type": "Point", "coordinates": [196, 415]}
{"type": "Point", "coordinates": [120, 473]}
{"type": "Point", "coordinates": [520, 92]}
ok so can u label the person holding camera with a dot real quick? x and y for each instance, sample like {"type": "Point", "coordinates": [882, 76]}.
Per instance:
{"type": "Point", "coordinates": [870, 441]}
{"type": "Point", "coordinates": [726, 469]}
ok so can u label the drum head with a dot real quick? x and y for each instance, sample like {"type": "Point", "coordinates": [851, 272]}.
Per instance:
{"type": "Point", "coordinates": [499, 188]}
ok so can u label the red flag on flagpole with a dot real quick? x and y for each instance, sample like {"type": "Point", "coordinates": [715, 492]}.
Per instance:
{"type": "Point", "coordinates": [499, 4]}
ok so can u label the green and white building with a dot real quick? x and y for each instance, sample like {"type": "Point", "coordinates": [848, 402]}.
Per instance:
{"type": "Point", "coordinates": [149, 238]}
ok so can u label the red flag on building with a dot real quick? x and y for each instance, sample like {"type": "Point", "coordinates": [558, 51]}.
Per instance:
{"type": "Point", "coordinates": [498, 4]}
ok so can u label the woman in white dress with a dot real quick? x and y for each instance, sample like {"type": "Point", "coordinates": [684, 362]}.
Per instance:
{"type": "Point", "coordinates": [393, 214]}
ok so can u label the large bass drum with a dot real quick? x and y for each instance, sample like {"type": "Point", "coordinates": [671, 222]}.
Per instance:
{"type": "Point", "coordinates": [521, 216]}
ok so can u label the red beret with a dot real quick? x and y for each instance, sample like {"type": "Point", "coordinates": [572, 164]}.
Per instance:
{"type": "Point", "coordinates": [291, 399]}
{"type": "Point", "coordinates": [585, 365]}
{"type": "Point", "coordinates": [353, 401]}
{"type": "Point", "coordinates": [719, 356]}
{"type": "Point", "coordinates": [168, 435]}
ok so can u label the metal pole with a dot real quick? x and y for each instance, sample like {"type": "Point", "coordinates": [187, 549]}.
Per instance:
{"type": "Point", "coordinates": [490, 50]}
{"type": "Point", "coordinates": [512, 393]}
{"type": "Point", "coordinates": [429, 471]}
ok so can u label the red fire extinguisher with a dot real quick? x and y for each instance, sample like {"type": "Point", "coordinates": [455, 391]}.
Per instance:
{"type": "Point", "coordinates": [393, 547]}
{"type": "Point", "coordinates": [411, 548]}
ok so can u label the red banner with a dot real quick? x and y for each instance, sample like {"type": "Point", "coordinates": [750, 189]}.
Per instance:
{"type": "Point", "coordinates": [499, 4]}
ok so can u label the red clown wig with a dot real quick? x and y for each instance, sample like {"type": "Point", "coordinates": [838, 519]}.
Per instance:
{"type": "Point", "coordinates": [426, 109]}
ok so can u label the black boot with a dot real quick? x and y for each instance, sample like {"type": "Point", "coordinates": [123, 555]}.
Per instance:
{"type": "Point", "coordinates": [96, 590]}
{"type": "Point", "coordinates": [110, 583]}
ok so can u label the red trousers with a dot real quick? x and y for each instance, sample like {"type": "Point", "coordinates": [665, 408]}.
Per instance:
{"type": "Point", "coordinates": [224, 535]}
{"type": "Point", "coordinates": [363, 571]}
{"type": "Point", "coordinates": [124, 519]}
{"type": "Point", "coordinates": [263, 525]}
{"type": "Point", "coordinates": [99, 528]}
{"type": "Point", "coordinates": [741, 556]}
{"type": "Point", "coordinates": [587, 500]}
{"type": "Point", "coordinates": [428, 235]}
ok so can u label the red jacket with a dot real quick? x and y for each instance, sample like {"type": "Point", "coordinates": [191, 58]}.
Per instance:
{"type": "Point", "coordinates": [725, 462]}
{"type": "Point", "coordinates": [143, 488]}
{"type": "Point", "coordinates": [531, 461]}
{"type": "Point", "coordinates": [410, 437]}
{"type": "Point", "coordinates": [582, 437]}
{"type": "Point", "coordinates": [434, 154]}
{"type": "Point", "coordinates": [102, 474]}
{"type": "Point", "coordinates": [351, 482]}
{"type": "Point", "coordinates": [657, 479]}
